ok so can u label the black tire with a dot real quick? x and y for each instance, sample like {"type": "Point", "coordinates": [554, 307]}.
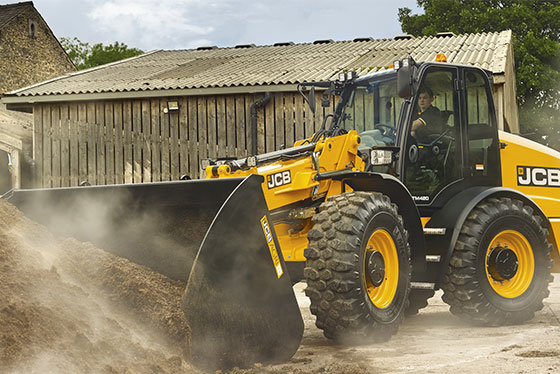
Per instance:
{"type": "Point", "coordinates": [335, 271]}
{"type": "Point", "coordinates": [418, 299]}
{"type": "Point", "coordinates": [475, 286]}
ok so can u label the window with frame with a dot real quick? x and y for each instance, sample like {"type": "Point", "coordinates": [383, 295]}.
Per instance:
{"type": "Point", "coordinates": [481, 126]}
{"type": "Point", "coordinates": [32, 29]}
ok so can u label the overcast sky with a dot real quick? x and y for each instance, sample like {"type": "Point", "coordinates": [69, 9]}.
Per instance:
{"type": "Point", "coordinates": [183, 24]}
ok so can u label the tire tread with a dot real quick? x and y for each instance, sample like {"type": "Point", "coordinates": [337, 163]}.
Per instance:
{"type": "Point", "coordinates": [461, 286]}
{"type": "Point", "coordinates": [337, 302]}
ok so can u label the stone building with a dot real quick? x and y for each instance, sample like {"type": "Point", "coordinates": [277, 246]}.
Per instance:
{"type": "Point", "coordinates": [29, 53]}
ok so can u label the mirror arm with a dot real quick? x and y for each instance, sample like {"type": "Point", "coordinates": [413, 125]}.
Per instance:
{"type": "Point", "coordinates": [311, 100]}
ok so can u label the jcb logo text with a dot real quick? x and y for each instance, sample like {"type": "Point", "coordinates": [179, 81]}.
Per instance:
{"type": "Point", "coordinates": [536, 176]}
{"type": "Point", "coordinates": [278, 179]}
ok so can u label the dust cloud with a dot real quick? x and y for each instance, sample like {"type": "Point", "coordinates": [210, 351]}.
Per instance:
{"type": "Point", "coordinates": [155, 225]}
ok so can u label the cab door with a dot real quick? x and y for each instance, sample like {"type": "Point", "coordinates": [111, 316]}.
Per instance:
{"type": "Point", "coordinates": [433, 151]}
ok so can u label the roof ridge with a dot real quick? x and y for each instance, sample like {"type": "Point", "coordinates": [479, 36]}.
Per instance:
{"type": "Point", "coordinates": [80, 72]}
{"type": "Point", "coordinates": [462, 34]}
{"type": "Point", "coordinates": [333, 42]}
{"type": "Point", "coordinates": [20, 3]}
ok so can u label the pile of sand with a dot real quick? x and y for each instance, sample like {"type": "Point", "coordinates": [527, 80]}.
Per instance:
{"type": "Point", "coordinates": [68, 307]}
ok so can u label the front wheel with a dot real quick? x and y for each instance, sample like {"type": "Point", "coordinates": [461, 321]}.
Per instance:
{"type": "Point", "coordinates": [500, 269]}
{"type": "Point", "coordinates": [358, 268]}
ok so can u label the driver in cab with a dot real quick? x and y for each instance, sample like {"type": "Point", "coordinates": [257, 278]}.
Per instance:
{"type": "Point", "coordinates": [427, 121]}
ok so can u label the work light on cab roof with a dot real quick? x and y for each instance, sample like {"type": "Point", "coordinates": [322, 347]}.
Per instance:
{"type": "Point", "coordinates": [440, 57]}
{"type": "Point", "coordinates": [347, 75]}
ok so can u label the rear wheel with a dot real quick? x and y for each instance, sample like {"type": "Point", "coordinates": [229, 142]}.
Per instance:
{"type": "Point", "coordinates": [500, 270]}
{"type": "Point", "coordinates": [358, 267]}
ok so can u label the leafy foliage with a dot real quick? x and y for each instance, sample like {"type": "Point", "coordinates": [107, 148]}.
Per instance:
{"type": "Point", "coordinates": [541, 124]}
{"type": "Point", "coordinates": [85, 56]}
{"type": "Point", "coordinates": [535, 25]}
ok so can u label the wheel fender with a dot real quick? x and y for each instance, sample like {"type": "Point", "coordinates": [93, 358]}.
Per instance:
{"type": "Point", "coordinates": [455, 212]}
{"type": "Point", "coordinates": [399, 194]}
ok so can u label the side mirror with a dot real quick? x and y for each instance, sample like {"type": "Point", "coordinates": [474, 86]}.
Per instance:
{"type": "Point", "coordinates": [405, 78]}
{"type": "Point", "coordinates": [404, 86]}
{"type": "Point", "coordinates": [311, 100]}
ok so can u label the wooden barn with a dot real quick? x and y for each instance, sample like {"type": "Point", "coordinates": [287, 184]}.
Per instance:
{"type": "Point", "coordinates": [154, 117]}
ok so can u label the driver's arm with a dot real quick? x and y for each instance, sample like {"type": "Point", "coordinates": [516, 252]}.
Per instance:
{"type": "Point", "coordinates": [417, 123]}
{"type": "Point", "coordinates": [427, 122]}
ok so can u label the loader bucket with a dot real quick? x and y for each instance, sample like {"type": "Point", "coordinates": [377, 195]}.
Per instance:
{"type": "Point", "coordinates": [159, 225]}
{"type": "Point", "coordinates": [239, 301]}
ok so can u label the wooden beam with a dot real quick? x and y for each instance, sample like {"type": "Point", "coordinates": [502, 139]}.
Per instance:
{"type": "Point", "coordinates": [128, 155]}
{"type": "Point", "coordinates": [119, 145]}
{"type": "Point", "coordinates": [11, 141]}
{"type": "Point", "coordinates": [92, 144]}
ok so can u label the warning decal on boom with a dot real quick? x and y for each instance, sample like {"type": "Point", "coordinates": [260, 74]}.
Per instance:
{"type": "Point", "coordinates": [272, 247]}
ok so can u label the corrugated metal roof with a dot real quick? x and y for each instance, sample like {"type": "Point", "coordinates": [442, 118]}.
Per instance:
{"type": "Point", "coordinates": [271, 65]}
{"type": "Point", "coordinates": [9, 11]}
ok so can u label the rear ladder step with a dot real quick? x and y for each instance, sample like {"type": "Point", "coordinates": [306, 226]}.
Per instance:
{"type": "Point", "coordinates": [434, 230]}
{"type": "Point", "coordinates": [433, 258]}
{"type": "Point", "coordinates": [422, 285]}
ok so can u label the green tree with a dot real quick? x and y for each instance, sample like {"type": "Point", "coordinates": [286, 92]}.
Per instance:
{"type": "Point", "coordinates": [76, 50]}
{"type": "Point", "coordinates": [85, 56]}
{"type": "Point", "coordinates": [535, 25]}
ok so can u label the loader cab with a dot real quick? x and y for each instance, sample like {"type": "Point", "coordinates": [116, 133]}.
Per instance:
{"type": "Point", "coordinates": [444, 128]}
{"type": "Point", "coordinates": [452, 144]}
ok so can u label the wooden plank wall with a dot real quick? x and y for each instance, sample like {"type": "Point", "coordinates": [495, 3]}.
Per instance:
{"type": "Point", "coordinates": [135, 141]}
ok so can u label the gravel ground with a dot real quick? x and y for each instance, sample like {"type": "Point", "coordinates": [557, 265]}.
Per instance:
{"type": "Point", "coordinates": [435, 341]}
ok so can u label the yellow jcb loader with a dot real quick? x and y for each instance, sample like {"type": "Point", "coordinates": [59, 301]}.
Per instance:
{"type": "Point", "coordinates": [375, 212]}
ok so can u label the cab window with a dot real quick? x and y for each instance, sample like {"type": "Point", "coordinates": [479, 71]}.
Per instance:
{"type": "Point", "coordinates": [481, 126]}
{"type": "Point", "coordinates": [373, 111]}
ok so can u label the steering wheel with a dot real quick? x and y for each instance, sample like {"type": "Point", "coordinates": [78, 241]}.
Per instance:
{"type": "Point", "coordinates": [435, 138]}
{"type": "Point", "coordinates": [434, 144]}
{"type": "Point", "coordinates": [386, 130]}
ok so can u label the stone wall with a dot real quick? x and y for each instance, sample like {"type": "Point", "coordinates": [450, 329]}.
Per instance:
{"type": "Point", "coordinates": [29, 52]}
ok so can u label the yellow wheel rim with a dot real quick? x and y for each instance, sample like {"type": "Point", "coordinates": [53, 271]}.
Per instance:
{"type": "Point", "coordinates": [383, 294]}
{"type": "Point", "coordinates": [521, 280]}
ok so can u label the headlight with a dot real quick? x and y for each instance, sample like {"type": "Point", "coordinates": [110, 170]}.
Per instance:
{"type": "Point", "coordinates": [381, 157]}
{"type": "Point", "coordinates": [251, 161]}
